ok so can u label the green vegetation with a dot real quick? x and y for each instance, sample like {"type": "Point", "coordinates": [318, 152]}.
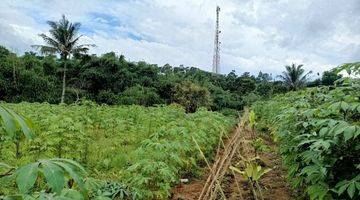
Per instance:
{"type": "Point", "coordinates": [134, 151]}
{"type": "Point", "coordinates": [294, 77]}
{"type": "Point", "coordinates": [64, 41]}
{"type": "Point", "coordinates": [259, 146]}
{"type": "Point", "coordinates": [65, 73]}
{"type": "Point", "coordinates": [253, 174]}
{"type": "Point", "coordinates": [112, 80]}
{"type": "Point", "coordinates": [318, 133]}
{"type": "Point", "coordinates": [132, 130]}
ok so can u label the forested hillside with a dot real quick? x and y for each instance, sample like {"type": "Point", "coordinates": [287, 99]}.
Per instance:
{"type": "Point", "coordinates": [112, 80]}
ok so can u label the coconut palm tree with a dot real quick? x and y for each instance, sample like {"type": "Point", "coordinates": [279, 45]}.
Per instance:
{"type": "Point", "coordinates": [63, 40]}
{"type": "Point", "coordinates": [294, 76]}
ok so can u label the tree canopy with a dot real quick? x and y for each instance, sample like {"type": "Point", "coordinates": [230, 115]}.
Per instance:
{"type": "Point", "coordinates": [111, 79]}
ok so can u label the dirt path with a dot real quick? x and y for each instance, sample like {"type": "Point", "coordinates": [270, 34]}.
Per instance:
{"type": "Point", "coordinates": [233, 185]}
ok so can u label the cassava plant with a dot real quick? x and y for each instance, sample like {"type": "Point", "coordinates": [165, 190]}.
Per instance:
{"type": "Point", "coordinates": [318, 132]}
{"type": "Point", "coordinates": [58, 173]}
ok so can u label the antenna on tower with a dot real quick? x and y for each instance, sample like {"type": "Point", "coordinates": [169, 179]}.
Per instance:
{"type": "Point", "coordinates": [216, 57]}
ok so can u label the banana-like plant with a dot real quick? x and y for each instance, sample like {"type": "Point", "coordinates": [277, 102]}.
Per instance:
{"type": "Point", "coordinates": [253, 174]}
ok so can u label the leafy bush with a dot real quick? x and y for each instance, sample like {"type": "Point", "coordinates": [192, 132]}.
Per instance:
{"type": "Point", "coordinates": [140, 95]}
{"type": "Point", "coordinates": [191, 96]}
{"type": "Point", "coordinates": [108, 97]}
{"type": "Point", "coordinates": [222, 99]}
{"type": "Point", "coordinates": [318, 130]}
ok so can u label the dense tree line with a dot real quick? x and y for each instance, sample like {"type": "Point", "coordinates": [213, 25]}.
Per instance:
{"type": "Point", "coordinates": [112, 80]}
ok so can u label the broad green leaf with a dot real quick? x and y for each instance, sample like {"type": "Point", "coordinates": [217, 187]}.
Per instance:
{"type": "Point", "coordinates": [73, 173]}
{"type": "Point", "coordinates": [54, 176]}
{"type": "Point", "coordinates": [24, 124]}
{"type": "Point", "coordinates": [323, 131]}
{"type": "Point", "coordinates": [357, 132]}
{"type": "Point", "coordinates": [357, 184]}
{"type": "Point", "coordinates": [9, 123]}
{"type": "Point", "coordinates": [317, 191]}
{"type": "Point", "coordinates": [349, 132]}
{"type": "Point", "coordinates": [342, 186]}
{"type": "Point", "coordinates": [335, 106]}
{"type": "Point", "coordinates": [351, 190]}
{"type": "Point", "coordinates": [340, 128]}
{"type": "Point", "coordinates": [71, 162]}
{"type": "Point", "coordinates": [344, 106]}
{"type": "Point", "coordinates": [306, 142]}
{"type": "Point", "coordinates": [72, 194]}
{"type": "Point", "coordinates": [26, 177]}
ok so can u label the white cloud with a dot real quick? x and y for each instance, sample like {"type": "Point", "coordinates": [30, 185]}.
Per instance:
{"type": "Point", "coordinates": [256, 34]}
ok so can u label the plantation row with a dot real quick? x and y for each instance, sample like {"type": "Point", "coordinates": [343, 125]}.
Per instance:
{"type": "Point", "coordinates": [127, 151]}
{"type": "Point", "coordinates": [318, 131]}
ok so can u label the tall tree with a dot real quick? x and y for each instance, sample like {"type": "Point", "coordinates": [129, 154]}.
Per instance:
{"type": "Point", "coordinates": [63, 40]}
{"type": "Point", "coordinates": [329, 77]}
{"type": "Point", "coordinates": [294, 77]}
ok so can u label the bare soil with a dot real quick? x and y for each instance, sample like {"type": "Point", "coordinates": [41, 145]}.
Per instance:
{"type": "Point", "coordinates": [235, 186]}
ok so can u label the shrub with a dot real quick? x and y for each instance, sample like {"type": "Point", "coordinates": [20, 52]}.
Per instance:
{"type": "Point", "coordinates": [191, 96]}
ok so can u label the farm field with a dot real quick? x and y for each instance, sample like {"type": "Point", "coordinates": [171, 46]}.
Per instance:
{"type": "Point", "coordinates": [148, 100]}
{"type": "Point", "coordinates": [301, 144]}
{"type": "Point", "coordinates": [139, 152]}
{"type": "Point", "coordinates": [298, 145]}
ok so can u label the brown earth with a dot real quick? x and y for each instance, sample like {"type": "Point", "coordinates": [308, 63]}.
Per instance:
{"type": "Point", "coordinates": [234, 186]}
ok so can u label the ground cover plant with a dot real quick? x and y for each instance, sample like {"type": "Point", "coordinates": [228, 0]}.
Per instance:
{"type": "Point", "coordinates": [127, 151]}
{"type": "Point", "coordinates": [318, 131]}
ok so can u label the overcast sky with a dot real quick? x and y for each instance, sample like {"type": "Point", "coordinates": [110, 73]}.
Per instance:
{"type": "Point", "coordinates": [256, 34]}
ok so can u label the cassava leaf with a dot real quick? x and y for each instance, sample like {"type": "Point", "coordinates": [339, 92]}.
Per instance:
{"type": "Point", "coordinates": [351, 189]}
{"type": "Point", "coordinates": [54, 176]}
{"type": "Point", "coordinates": [72, 172]}
{"type": "Point", "coordinates": [25, 125]}
{"type": "Point", "coordinates": [72, 194]}
{"type": "Point", "coordinates": [9, 123]}
{"type": "Point", "coordinates": [26, 177]}
{"type": "Point", "coordinates": [71, 162]}
{"type": "Point", "coordinates": [349, 132]}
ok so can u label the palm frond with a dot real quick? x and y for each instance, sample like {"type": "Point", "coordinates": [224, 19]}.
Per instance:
{"type": "Point", "coordinates": [63, 39]}
{"type": "Point", "coordinates": [49, 40]}
{"type": "Point", "coordinates": [73, 42]}
{"type": "Point", "coordinates": [46, 50]}
{"type": "Point", "coordinates": [293, 76]}
{"type": "Point", "coordinates": [52, 24]}
{"type": "Point", "coordinates": [73, 31]}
